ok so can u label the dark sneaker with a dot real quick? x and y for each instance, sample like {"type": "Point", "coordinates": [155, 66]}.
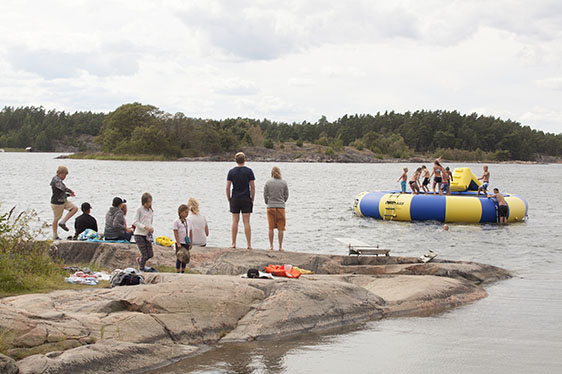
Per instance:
{"type": "Point", "coordinates": [57, 238]}
{"type": "Point", "coordinates": [63, 226]}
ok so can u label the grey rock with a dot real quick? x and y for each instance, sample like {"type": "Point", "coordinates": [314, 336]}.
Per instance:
{"type": "Point", "coordinates": [162, 319]}
{"type": "Point", "coordinates": [8, 365]}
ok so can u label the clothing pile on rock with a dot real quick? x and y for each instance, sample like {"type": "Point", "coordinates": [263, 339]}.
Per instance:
{"type": "Point", "coordinates": [85, 276]}
{"type": "Point", "coordinates": [126, 277]}
{"type": "Point", "coordinates": [82, 278]}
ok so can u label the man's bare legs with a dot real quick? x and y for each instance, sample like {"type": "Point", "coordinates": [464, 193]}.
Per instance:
{"type": "Point", "coordinates": [271, 239]}
{"type": "Point", "coordinates": [235, 220]}
{"type": "Point", "coordinates": [280, 233]}
{"type": "Point", "coordinates": [247, 228]}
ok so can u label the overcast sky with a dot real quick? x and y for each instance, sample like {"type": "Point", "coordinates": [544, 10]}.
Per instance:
{"type": "Point", "coordinates": [286, 60]}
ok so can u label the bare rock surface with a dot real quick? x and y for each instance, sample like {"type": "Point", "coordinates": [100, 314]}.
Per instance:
{"type": "Point", "coordinates": [107, 356]}
{"type": "Point", "coordinates": [174, 315]}
{"type": "Point", "coordinates": [8, 365]}
{"type": "Point", "coordinates": [229, 261]}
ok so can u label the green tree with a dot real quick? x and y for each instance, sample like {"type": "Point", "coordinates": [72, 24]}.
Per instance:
{"type": "Point", "coordinates": [268, 143]}
{"type": "Point", "coordinates": [119, 125]}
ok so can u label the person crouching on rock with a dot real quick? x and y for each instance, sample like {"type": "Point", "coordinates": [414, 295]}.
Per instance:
{"type": "Point", "coordinates": [142, 221]}
{"type": "Point", "coordinates": [184, 237]}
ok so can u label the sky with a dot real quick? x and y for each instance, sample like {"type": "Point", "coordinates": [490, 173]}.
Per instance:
{"type": "Point", "coordinates": [289, 61]}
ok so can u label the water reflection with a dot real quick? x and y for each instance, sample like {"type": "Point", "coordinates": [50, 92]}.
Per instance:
{"type": "Point", "coordinates": [255, 357]}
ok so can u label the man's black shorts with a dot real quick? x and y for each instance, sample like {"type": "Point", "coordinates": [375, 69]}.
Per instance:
{"type": "Point", "coordinates": [238, 204]}
{"type": "Point", "coordinates": [502, 210]}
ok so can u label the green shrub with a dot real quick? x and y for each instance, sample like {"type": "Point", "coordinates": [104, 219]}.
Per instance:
{"type": "Point", "coordinates": [358, 144]}
{"type": "Point", "coordinates": [323, 141]}
{"type": "Point", "coordinates": [299, 143]}
{"type": "Point", "coordinates": [25, 265]}
{"type": "Point", "coordinates": [502, 155]}
{"type": "Point", "coordinates": [268, 143]}
{"type": "Point", "coordinates": [337, 145]}
{"type": "Point", "coordinates": [464, 155]}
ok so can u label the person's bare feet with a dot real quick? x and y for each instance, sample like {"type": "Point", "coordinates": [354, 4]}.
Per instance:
{"type": "Point", "coordinates": [280, 249]}
{"type": "Point", "coordinates": [271, 248]}
{"type": "Point", "coordinates": [232, 246]}
{"type": "Point", "coordinates": [250, 248]}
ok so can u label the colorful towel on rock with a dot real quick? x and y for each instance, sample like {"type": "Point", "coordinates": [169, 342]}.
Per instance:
{"type": "Point", "coordinates": [82, 278]}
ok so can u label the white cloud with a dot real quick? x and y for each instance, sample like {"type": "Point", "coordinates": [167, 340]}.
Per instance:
{"type": "Point", "coordinates": [550, 119]}
{"type": "Point", "coordinates": [236, 86]}
{"type": "Point", "coordinates": [300, 82]}
{"type": "Point", "coordinates": [291, 61]}
{"type": "Point", "coordinates": [52, 64]}
{"type": "Point", "coordinates": [551, 83]}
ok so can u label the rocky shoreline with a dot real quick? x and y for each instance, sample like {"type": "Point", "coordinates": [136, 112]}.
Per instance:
{"type": "Point", "coordinates": [311, 153]}
{"type": "Point", "coordinates": [174, 316]}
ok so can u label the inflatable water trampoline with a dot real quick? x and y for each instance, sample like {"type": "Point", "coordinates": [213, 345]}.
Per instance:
{"type": "Point", "coordinates": [462, 206]}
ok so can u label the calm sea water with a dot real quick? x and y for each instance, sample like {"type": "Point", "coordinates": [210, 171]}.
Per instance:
{"type": "Point", "coordinates": [518, 328]}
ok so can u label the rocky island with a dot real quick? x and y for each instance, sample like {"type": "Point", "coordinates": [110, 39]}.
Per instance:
{"type": "Point", "coordinates": [174, 316]}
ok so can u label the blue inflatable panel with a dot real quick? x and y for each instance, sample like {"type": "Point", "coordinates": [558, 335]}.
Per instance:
{"type": "Point", "coordinates": [473, 186]}
{"type": "Point", "coordinates": [489, 210]}
{"type": "Point", "coordinates": [370, 205]}
{"type": "Point", "coordinates": [422, 208]}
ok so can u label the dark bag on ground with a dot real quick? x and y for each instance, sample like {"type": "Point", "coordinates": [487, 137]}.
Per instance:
{"type": "Point", "coordinates": [130, 280]}
{"type": "Point", "coordinates": [253, 273]}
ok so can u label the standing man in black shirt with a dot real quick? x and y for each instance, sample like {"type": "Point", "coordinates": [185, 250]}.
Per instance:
{"type": "Point", "coordinates": [85, 220]}
{"type": "Point", "coordinates": [241, 198]}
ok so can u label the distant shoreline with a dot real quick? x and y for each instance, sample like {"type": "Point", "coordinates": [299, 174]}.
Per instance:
{"type": "Point", "coordinates": [315, 160]}
{"type": "Point", "coordinates": [308, 153]}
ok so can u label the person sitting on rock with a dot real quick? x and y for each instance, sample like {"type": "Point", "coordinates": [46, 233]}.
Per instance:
{"type": "Point", "coordinates": [85, 221]}
{"type": "Point", "coordinates": [198, 223]}
{"type": "Point", "coordinates": [115, 227]}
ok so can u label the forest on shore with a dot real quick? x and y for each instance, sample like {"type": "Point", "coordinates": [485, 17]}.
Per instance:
{"type": "Point", "coordinates": [144, 130]}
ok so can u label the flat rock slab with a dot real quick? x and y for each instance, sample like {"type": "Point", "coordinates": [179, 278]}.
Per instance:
{"type": "Point", "coordinates": [172, 314]}
{"type": "Point", "coordinates": [228, 261]}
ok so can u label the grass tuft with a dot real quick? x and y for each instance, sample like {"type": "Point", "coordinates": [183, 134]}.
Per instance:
{"type": "Point", "coordinates": [25, 264]}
